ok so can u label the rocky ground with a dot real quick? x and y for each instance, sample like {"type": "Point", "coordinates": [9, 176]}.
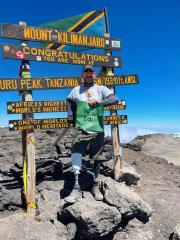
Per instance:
{"type": "Point", "coordinates": [147, 184]}
{"type": "Point", "coordinates": [159, 145]}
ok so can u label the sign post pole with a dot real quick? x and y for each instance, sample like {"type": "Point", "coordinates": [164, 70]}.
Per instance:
{"type": "Point", "coordinates": [116, 142]}
{"type": "Point", "coordinates": [114, 127]}
{"type": "Point", "coordinates": [28, 144]}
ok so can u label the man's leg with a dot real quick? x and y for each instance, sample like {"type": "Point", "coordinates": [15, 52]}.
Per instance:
{"type": "Point", "coordinates": [78, 149]}
{"type": "Point", "coordinates": [96, 148]}
{"type": "Point", "coordinates": [95, 191]}
{"type": "Point", "coordinates": [76, 192]}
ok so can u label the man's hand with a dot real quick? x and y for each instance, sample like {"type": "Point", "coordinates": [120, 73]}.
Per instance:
{"type": "Point", "coordinates": [71, 120]}
{"type": "Point", "coordinates": [71, 123]}
{"type": "Point", "coordinates": [93, 102]}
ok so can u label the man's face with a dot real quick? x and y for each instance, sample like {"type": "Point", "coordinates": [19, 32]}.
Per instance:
{"type": "Point", "coordinates": [88, 77]}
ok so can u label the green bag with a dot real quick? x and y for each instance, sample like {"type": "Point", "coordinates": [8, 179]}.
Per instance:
{"type": "Point", "coordinates": [90, 117]}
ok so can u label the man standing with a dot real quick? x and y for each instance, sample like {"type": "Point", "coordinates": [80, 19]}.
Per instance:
{"type": "Point", "coordinates": [85, 110]}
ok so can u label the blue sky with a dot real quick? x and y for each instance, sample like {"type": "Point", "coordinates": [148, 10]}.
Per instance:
{"type": "Point", "coordinates": [150, 35]}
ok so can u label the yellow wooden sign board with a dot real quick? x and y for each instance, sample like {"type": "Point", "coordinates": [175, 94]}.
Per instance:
{"type": "Point", "coordinates": [20, 84]}
{"type": "Point", "coordinates": [48, 106]}
{"type": "Point", "coordinates": [56, 36]}
{"type": "Point", "coordinates": [17, 52]}
{"type": "Point", "coordinates": [52, 123]}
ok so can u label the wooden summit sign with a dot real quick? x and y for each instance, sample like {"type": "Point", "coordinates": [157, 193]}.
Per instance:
{"type": "Point", "coordinates": [18, 84]}
{"type": "Point", "coordinates": [56, 36]}
{"type": "Point", "coordinates": [49, 55]}
{"type": "Point", "coordinates": [52, 123]}
{"type": "Point", "coordinates": [49, 106]}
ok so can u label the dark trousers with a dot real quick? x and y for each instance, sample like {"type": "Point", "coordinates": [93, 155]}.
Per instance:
{"type": "Point", "coordinates": [84, 141]}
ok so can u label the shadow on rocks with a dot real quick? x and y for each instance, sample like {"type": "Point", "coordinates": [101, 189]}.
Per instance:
{"type": "Point", "coordinates": [13, 180]}
{"type": "Point", "coordinates": [48, 169]}
{"type": "Point", "coordinates": [120, 227]}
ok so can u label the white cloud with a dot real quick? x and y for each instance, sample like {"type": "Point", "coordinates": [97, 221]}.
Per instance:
{"type": "Point", "coordinates": [127, 134]}
{"type": "Point", "coordinates": [2, 125]}
{"type": "Point", "coordinates": [176, 134]}
{"type": "Point", "coordinates": [145, 131]}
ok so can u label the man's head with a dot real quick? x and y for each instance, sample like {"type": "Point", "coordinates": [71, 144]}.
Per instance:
{"type": "Point", "coordinates": [88, 75]}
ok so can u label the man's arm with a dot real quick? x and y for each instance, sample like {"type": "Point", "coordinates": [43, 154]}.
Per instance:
{"type": "Point", "coordinates": [110, 100]}
{"type": "Point", "coordinates": [71, 106]}
{"type": "Point", "coordinates": [108, 97]}
{"type": "Point", "coordinates": [71, 109]}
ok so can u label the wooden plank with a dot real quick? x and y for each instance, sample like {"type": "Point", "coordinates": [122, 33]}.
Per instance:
{"type": "Point", "coordinates": [48, 106]}
{"type": "Point", "coordinates": [28, 144]}
{"type": "Point", "coordinates": [54, 56]}
{"type": "Point", "coordinates": [60, 136]}
{"type": "Point", "coordinates": [20, 84]}
{"type": "Point", "coordinates": [56, 36]}
{"type": "Point", "coordinates": [52, 123]}
{"type": "Point", "coordinates": [31, 176]}
{"type": "Point", "coordinates": [36, 107]}
{"type": "Point", "coordinates": [120, 106]}
{"type": "Point", "coordinates": [31, 165]}
{"type": "Point", "coordinates": [116, 152]}
{"type": "Point", "coordinates": [114, 127]}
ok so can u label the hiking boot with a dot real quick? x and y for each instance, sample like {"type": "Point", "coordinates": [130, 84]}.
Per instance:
{"type": "Point", "coordinates": [95, 191]}
{"type": "Point", "coordinates": [75, 195]}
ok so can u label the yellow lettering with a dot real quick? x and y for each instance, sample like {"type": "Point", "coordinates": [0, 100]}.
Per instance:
{"type": "Point", "coordinates": [98, 42]}
{"type": "Point", "coordinates": [40, 51]}
{"type": "Point", "coordinates": [36, 83]}
{"type": "Point", "coordinates": [34, 51]}
{"type": "Point", "coordinates": [27, 33]}
{"type": "Point", "coordinates": [60, 37]}
{"type": "Point", "coordinates": [53, 53]}
{"type": "Point", "coordinates": [23, 83]}
{"type": "Point", "coordinates": [26, 50]}
{"type": "Point", "coordinates": [74, 38]}
{"type": "Point", "coordinates": [37, 34]}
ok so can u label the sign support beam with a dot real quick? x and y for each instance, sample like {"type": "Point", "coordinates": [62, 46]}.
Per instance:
{"type": "Point", "coordinates": [114, 128]}
{"type": "Point", "coordinates": [28, 144]}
